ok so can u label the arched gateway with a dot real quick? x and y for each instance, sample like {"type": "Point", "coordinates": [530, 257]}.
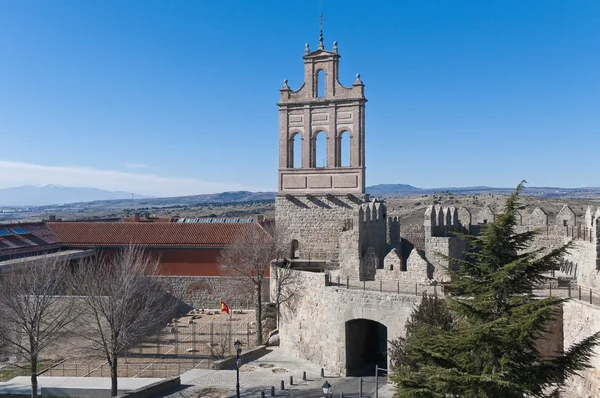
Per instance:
{"type": "Point", "coordinates": [366, 347]}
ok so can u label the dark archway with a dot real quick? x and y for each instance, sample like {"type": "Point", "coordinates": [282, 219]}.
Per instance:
{"type": "Point", "coordinates": [366, 346]}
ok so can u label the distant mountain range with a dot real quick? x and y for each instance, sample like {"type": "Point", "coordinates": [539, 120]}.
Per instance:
{"type": "Point", "coordinates": [49, 195]}
{"type": "Point", "coordinates": [29, 195]}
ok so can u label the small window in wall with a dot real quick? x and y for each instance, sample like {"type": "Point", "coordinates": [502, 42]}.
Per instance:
{"type": "Point", "coordinates": [485, 221]}
{"type": "Point", "coordinates": [344, 148]}
{"type": "Point", "coordinates": [370, 258]}
{"type": "Point", "coordinates": [319, 158]}
{"type": "Point", "coordinates": [295, 157]}
{"type": "Point", "coordinates": [564, 223]}
{"type": "Point", "coordinates": [321, 83]}
{"type": "Point", "coordinates": [294, 252]}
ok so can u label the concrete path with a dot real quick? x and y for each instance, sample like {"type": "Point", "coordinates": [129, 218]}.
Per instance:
{"type": "Point", "coordinates": [270, 370]}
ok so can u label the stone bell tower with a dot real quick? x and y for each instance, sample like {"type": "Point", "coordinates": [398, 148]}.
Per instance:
{"type": "Point", "coordinates": [305, 114]}
{"type": "Point", "coordinates": [320, 194]}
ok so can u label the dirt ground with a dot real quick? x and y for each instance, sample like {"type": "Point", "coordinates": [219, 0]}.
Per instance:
{"type": "Point", "coordinates": [191, 341]}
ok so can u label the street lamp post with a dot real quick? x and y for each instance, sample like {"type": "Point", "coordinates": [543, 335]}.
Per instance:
{"type": "Point", "coordinates": [326, 389]}
{"type": "Point", "coordinates": [238, 351]}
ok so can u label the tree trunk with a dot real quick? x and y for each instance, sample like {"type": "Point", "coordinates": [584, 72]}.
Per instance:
{"type": "Point", "coordinates": [259, 329]}
{"type": "Point", "coordinates": [34, 381]}
{"type": "Point", "coordinates": [113, 376]}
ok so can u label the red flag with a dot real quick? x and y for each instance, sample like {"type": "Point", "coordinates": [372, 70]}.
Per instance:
{"type": "Point", "coordinates": [224, 307]}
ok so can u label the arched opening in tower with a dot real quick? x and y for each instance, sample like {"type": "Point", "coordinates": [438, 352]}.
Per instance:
{"type": "Point", "coordinates": [319, 158]}
{"type": "Point", "coordinates": [321, 83]}
{"type": "Point", "coordinates": [344, 149]}
{"type": "Point", "coordinates": [295, 151]}
{"type": "Point", "coordinates": [366, 347]}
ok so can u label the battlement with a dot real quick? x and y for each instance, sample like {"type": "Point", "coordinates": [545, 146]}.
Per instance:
{"type": "Point", "coordinates": [373, 211]}
{"type": "Point", "coordinates": [443, 221]}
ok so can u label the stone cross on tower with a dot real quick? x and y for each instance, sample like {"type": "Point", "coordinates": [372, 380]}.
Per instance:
{"type": "Point", "coordinates": [322, 108]}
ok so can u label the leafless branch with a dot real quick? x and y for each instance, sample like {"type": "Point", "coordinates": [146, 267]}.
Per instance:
{"type": "Point", "coordinates": [34, 311]}
{"type": "Point", "coordinates": [122, 304]}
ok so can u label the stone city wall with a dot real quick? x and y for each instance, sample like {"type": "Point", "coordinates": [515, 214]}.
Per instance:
{"type": "Point", "coordinates": [314, 326]}
{"type": "Point", "coordinates": [208, 291]}
{"type": "Point", "coordinates": [581, 320]}
{"type": "Point", "coordinates": [436, 248]}
{"type": "Point", "coordinates": [413, 236]}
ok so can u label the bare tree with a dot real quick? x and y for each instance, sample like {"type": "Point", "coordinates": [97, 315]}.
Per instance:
{"type": "Point", "coordinates": [285, 281]}
{"type": "Point", "coordinates": [249, 256]}
{"type": "Point", "coordinates": [122, 304]}
{"type": "Point", "coordinates": [34, 312]}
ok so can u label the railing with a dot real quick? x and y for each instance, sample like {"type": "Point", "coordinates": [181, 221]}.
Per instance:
{"type": "Point", "coordinates": [126, 369]}
{"type": "Point", "coordinates": [579, 292]}
{"type": "Point", "coordinates": [194, 341]}
{"type": "Point", "coordinates": [385, 286]}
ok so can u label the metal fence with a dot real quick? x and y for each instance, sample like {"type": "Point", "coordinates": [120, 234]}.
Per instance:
{"type": "Point", "coordinates": [191, 342]}
{"type": "Point", "coordinates": [576, 292]}
{"type": "Point", "coordinates": [569, 290]}
{"type": "Point", "coordinates": [126, 369]}
{"type": "Point", "coordinates": [385, 286]}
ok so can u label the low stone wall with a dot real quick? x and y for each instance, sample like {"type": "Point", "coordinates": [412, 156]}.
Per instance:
{"type": "Point", "coordinates": [209, 291]}
{"type": "Point", "coordinates": [153, 389]}
{"type": "Point", "coordinates": [245, 356]}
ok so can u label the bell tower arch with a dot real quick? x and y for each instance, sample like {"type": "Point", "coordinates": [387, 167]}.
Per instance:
{"type": "Point", "coordinates": [321, 106]}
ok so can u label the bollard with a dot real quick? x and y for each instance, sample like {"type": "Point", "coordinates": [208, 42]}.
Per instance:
{"type": "Point", "coordinates": [304, 376]}
{"type": "Point", "coordinates": [360, 386]}
{"type": "Point", "coordinates": [569, 289]}
{"type": "Point", "coordinates": [398, 287]}
{"type": "Point", "coordinates": [416, 289]}
{"type": "Point", "coordinates": [579, 292]}
{"type": "Point", "coordinates": [291, 380]}
{"type": "Point", "coordinates": [380, 286]}
{"type": "Point", "coordinates": [590, 296]}
{"type": "Point", "coordinates": [282, 386]}
{"type": "Point", "coordinates": [322, 372]}
{"type": "Point", "coordinates": [364, 285]}
{"type": "Point", "coordinates": [550, 289]}
{"type": "Point", "coordinates": [272, 391]}
{"type": "Point", "coordinates": [347, 282]}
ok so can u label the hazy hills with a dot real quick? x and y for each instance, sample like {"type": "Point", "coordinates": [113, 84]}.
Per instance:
{"type": "Point", "coordinates": [29, 195]}
{"type": "Point", "coordinates": [52, 195]}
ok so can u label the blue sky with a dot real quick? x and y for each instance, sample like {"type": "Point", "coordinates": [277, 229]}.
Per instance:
{"type": "Point", "coordinates": [178, 97]}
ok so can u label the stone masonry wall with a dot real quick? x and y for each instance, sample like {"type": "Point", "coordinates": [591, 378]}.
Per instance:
{"type": "Point", "coordinates": [436, 248]}
{"type": "Point", "coordinates": [315, 223]}
{"type": "Point", "coordinates": [314, 327]}
{"type": "Point", "coordinates": [581, 320]}
{"type": "Point", "coordinates": [208, 291]}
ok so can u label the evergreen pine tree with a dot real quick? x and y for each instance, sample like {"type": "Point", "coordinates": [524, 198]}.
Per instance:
{"type": "Point", "coordinates": [492, 350]}
{"type": "Point", "coordinates": [429, 318]}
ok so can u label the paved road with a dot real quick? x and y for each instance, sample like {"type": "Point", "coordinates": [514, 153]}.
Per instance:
{"type": "Point", "coordinates": [260, 375]}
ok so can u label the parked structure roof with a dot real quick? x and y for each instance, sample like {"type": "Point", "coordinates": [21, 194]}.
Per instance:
{"type": "Point", "coordinates": [17, 239]}
{"type": "Point", "coordinates": [117, 234]}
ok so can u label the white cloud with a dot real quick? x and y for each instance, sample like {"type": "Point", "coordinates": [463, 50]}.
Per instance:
{"type": "Point", "coordinates": [139, 166]}
{"type": "Point", "coordinates": [17, 173]}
